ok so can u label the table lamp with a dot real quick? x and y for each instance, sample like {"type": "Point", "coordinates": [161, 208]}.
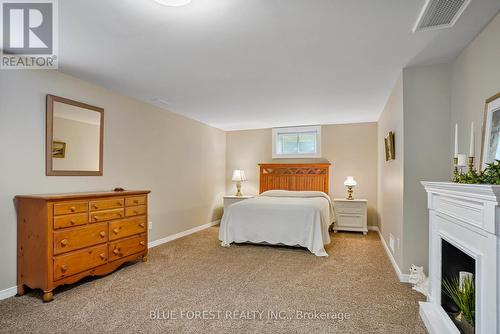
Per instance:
{"type": "Point", "coordinates": [350, 183]}
{"type": "Point", "coordinates": [238, 177]}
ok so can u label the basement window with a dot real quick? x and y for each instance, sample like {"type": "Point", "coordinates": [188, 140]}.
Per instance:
{"type": "Point", "coordinates": [297, 142]}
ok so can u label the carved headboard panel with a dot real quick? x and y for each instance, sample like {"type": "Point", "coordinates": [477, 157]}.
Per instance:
{"type": "Point", "coordinates": [302, 177]}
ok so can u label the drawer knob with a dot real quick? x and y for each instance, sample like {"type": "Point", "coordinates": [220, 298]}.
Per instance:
{"type": "Point", "coordinates": [142, 225]}
{"type": "Point", "coordinates": [102, 234]}
{"type": "Point", "coordinates": [64, 268]}
{"type": "Point", "coordinates": [136, 201]}
{"type": "Point", "coordinates": [72, 209]}
{"type": "Point", "coordinates": [142, 243]}
{"type": "Point", "coordinates": [95, 206]}
{"type": "Point", "coordinates": [119, 203]}
{"type": "Point", "coordinates": [72, 222]}
{"type": "Point", "coordinates": [136, 212]}
{"type": "Point", "coordinates": [116, 230]}
{"type": "Point", "coordinates": [64, 242]}
{"type": "Point", "coordinates": [120, 214]}
{"type": "Point", "coordinates": [103, 256]}
{"type": "Point", "coordinates": [96, 218]}
{"type": "Point", "coordinates": [116, 251]}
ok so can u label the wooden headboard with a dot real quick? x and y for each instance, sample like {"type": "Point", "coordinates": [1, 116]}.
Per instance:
{"type": "Point", "coordinates": [313, 177]}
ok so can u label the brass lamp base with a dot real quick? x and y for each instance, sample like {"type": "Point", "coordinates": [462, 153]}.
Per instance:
{"type": "Point", "coordinates": [238, 189]}
{"type": "Point", "coordinates": [349, 193]}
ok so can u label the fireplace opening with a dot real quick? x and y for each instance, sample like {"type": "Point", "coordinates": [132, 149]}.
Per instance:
{"type": "Point", "coordinates": [456, 267]}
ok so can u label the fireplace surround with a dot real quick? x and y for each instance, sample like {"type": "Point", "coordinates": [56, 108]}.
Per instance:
{"type": "Point", "coordinates": [465, 217]}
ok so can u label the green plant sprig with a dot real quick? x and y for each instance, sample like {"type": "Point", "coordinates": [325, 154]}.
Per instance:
{"type": "Point", "coordinates": [464, 298]}
{"type": "Point", "coordinates": [490, 175]}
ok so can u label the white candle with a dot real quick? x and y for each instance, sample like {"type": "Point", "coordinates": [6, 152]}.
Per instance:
{"type": "Point", "coordinates": [472, 142]}
{"type": "Point", "coordinates": [456, 141]}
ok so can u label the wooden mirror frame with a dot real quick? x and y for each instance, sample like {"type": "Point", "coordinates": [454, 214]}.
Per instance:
{"type": "Point", "coordinates": [49, 126]}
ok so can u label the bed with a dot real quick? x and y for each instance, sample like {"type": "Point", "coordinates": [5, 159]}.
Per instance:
{"type": "Point", "coordinates": [293, 209]}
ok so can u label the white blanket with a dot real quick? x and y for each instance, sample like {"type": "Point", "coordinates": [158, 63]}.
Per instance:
{"type": "Point", "coordinates": [293, 218]}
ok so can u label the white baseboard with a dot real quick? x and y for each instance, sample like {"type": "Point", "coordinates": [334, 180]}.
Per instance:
{"type": "Point", "coordinates": [402, 277]}
{"type": "Point", "coordinates": [181, 234]}
{"type": "Point", "coordinates": [10, 292]}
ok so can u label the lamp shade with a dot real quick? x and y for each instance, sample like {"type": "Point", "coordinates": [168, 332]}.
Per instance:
{"type": "Point", "coordinates": [239, 175]}
{"type": "Point", "coordinates": [350, 182]}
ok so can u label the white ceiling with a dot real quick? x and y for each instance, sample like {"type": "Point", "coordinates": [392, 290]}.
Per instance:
{"type": "Point", "coordinates": [241, 64]}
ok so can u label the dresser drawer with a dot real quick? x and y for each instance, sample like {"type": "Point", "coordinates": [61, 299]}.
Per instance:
{"type": "Point", "coordinates": [350, 205]}
{"type": "Point", "coordinates": [346, 220]}
{"type": "Point", "coordinates": [127, 227]}
{"type": "Point", "coordinates": [135, 210]}
{"type": "Point", "coordinates": [358, 211]}
{"type": "Point", "coordinates": [70, 207]}
{"type": "Point", "coordinates": [107, 204]}
{"type": "Point", "coordinates": [76, 262]}
{"type": "Point", "coordinates": [99, 216]}
{"type": "Point", "coordinates": [71, 220]}
{"type": "Point", "coordinates": [126, 247]}
{"type": "Point", "coordinates": [80, 237]}
{"type": "Point", "coordinates": [136, 200]}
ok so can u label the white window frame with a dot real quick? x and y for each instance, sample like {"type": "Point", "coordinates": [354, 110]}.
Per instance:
{"type": "Point", "coordinates": [296, 129]}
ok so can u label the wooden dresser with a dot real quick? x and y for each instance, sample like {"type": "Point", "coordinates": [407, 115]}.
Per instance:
{"type": "Point", "coordinates": [63, 238]}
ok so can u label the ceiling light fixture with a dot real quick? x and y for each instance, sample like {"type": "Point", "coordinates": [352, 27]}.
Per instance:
{"type": "Point", "coordinates": [173, 3]}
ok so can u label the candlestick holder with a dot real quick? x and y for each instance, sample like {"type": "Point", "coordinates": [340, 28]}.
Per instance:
{"type": "Point", "coordinates": [455, 170]}
{"type": "Point", "coordinates": [471, 166]}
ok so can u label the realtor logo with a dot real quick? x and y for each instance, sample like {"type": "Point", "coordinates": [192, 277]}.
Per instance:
{"type": "Point", "coordinates": [29, 34]}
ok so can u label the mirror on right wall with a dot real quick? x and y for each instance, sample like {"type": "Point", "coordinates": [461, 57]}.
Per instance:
{"type": "Point", "coordinates": [74, 143]}
{"type": "Point", "coordinates": [490, 144]}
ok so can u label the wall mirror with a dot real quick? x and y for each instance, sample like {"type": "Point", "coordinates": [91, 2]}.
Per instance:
{"type": "Point", "coordinates": [490, 144]}
{"type": "Point", "coordinates": [74, 138]}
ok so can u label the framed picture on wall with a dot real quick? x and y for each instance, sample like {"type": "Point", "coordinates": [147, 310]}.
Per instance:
{"type": "Point", "coordinates": [58, 149]}
{"type": "Point", "coordinates": [390, 152]}
{"type": "Point", "coordinates": [490, 144]}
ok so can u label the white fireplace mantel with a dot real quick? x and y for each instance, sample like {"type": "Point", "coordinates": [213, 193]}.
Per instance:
{"type": "Point", "coordinates": [468, 217]}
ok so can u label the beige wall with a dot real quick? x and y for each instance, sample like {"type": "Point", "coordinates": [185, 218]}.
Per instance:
{"type": "Point", "coordinates": [182, 161]}
{"type": "Point", "coordinates": [475, 77]}
{"type": "Point", "coordinates": [418, 112]}
{"type": "Point", "coordinates": [426, 99]}
{"type": "Point", "coordinates": [390, 173]}
{"type": "Point", "coordinates": [350, 148]}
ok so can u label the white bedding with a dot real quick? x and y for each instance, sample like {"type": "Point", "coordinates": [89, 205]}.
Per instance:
{"type": "Point", "coordinates": [293, 218]}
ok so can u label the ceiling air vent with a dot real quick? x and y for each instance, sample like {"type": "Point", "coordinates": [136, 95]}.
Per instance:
{"type": "Point", "coordinates": [438, 14]}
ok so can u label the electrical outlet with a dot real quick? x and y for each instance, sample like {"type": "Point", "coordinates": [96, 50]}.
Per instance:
{"type": "Point", "coordinates": [391, 242]}
{"type": "Point", "coordinates": [150, 225]}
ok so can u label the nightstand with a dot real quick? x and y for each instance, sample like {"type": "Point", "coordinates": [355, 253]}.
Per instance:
{"type": "Point", "coordinates": [350, 215]}
{"type": "Point", "coordinates": [231, 199]}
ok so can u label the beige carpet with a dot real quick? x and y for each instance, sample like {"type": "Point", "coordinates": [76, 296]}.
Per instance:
{"type": "Point", "coordinates": [194, 273]}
